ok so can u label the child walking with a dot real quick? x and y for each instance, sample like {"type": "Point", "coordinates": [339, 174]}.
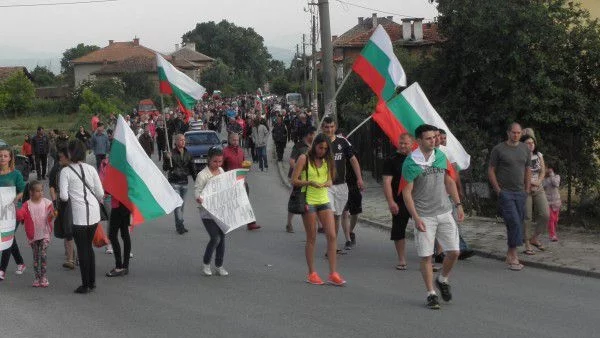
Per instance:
{"type": "Point", "coordinates": [217, 237]}
{"type": "Point", "coordinates": [37, 214]}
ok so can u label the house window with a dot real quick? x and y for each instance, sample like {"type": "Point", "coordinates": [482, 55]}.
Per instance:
{"type": "Point", "coordinates": [339, 73]}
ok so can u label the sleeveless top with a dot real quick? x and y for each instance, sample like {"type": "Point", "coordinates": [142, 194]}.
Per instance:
{"type": "Point", "coordinates": [316, 196]}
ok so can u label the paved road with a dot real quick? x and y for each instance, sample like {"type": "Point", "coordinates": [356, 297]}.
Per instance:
{"type": "Point", "coordinates": [165, 294]}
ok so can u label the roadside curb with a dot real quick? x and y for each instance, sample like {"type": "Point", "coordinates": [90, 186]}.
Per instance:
{"type": "Point", "coordinates": [478, 252]}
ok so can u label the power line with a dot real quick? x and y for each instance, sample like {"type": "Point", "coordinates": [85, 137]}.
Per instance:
{"type": "Point", "coordinates": [57, 3]}
{"type": "Point", "coordinates": [375, 9]}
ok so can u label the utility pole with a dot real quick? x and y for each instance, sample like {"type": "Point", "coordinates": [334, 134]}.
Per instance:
{"type": "Point", "coordinates": [304, 69]}
{"type": "Point", "coordinates": [315, 100]}
{"type": "Point", "coordinates": [327, 60]}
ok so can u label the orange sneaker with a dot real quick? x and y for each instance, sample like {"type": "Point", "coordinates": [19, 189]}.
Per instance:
{"type": "Point", "coordinates": [313, 278]}
{"type": "Point", "coordinates": [336, 279]}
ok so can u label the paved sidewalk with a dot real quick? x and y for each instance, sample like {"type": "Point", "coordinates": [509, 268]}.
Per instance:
{"type": "Point", "coordinates": [577, 252]}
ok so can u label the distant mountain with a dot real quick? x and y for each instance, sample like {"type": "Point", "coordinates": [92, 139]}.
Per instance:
{"type": "Point", "coordinates": [16, 56]}
{"type": "Point", "coordinates": [282, 54]}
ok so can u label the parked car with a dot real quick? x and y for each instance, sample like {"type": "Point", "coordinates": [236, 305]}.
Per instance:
{"type": "Point", "coordinates": [21, 163]}
{"type": "Point", "coordinates": [198, 142]}
{"type": "Point", "coordinates": [147, 106]}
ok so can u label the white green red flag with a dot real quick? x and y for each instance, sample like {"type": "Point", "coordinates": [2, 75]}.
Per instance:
{"type": "Point", "coordinates": [8, 216]}
{"type": "Point", "coordinates": [379, 67]}
{"type": "Point", "coordinates": [415, 164]}
{"type": "Point", "coordinates": [172, 81]}
{"type": "Point", "coordinates": [134, 180]}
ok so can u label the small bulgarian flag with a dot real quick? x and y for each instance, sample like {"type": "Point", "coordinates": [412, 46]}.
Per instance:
{"type": "Point", "coordinates": [415, 163]}
{"type": "Point", "coordinates": [240, 174]}
{"type": "Point", "coordinates": [7, 236]}
{"type": "Point", "coordinates": [379, 67]}
{"type": "Point", "coordinates": [135, 181]}
{"type": "Point", "coordinates": [172, 81]}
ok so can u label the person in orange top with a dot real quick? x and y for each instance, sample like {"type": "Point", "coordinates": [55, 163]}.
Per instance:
{"type": "Point", "coordinates": [95, 120]}
{"type": "Point", "coordinates": [27, 151]}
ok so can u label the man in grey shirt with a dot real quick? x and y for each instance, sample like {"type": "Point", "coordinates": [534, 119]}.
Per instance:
{"type": "Point", "coordinates": [426, 185]}
{"type": "Point", "coordinates": [509, 173]}
{"type": "Point", "coordinates": [100, 144]}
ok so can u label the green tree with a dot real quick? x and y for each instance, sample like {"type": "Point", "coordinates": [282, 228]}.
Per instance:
{"type": "Point", "coordinates": [240, 48]}
{"type": "Point", "coordinates": [529, 61]}
{"type": "Point", "coordinates": [42, 76]}
{"type": "Point", "coordinates": [217, 76]}
{"type": "Point", "coordinates": [71, 54]}
{"type": "Point", "coordinates": [16, 94]}
{"type": "Point", "coordinates": [280, 86]}
{"type": "Point", "coordinates": [138, 86]}
{"type": "Point", "coordinates": [93, 103]}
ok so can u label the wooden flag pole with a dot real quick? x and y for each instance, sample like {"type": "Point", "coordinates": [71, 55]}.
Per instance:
{"type": "Point", "coordinates": [333, 101]}
{"type": "Point", "coordinates": [360, 125]}
{"type": "Point", "coordinates": [162, 108]}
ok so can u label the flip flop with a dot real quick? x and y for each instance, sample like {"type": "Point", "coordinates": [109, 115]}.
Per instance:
{"type": "Point", "coordinates": [529, 252]}
{"type": "Point", "coordinates": [515, 267]}
{"type": "Point", "coordinates": [538, 245]}
{"type": "Point", "coordinates": [401, 267]}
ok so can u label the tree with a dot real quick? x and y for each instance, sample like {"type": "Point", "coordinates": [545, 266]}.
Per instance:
{"type": "Point", "coordinates": [71, 54]}
{"type": "Point", "coordinates": [94, 103]}
{"type": "Point", "coordinates": [280, 86]}
{"type": "Point", "coordinates": [217, 76]}
{"type": "Point", "coordinates": [240, 48]}
{"type": "Point", "coordinates": [535, 62]}
{"type": "Point", "coordinates": [42, 76]}
{"type": "Point", "coordinates": [17, 93]}
{"type": "Point", "coordinates": [138, 86]}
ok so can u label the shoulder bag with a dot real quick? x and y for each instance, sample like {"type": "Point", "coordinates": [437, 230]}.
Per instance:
{"type": "Point", "coordinates": [297, 201]}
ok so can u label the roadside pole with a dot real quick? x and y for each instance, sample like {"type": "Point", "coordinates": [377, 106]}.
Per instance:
{"type": "Point", "coordinates": [327, 60]}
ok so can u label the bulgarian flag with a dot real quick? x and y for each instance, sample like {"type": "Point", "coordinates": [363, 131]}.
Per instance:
{"type": "Point", "coordinates": [172, 81]}
{"type": "Point", "coordinates": [135, 181]}
{"type": "Point", "coordinates": [415, 164]}
{"type": "Point", "coordinates": [379, 67]}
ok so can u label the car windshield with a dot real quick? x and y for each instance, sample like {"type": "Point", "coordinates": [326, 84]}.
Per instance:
{"type": "Point", "coordinates": [201, 138]}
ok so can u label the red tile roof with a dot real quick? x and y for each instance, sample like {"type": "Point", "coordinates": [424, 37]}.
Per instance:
{"type": "Point", "coordinates": [117, 51]}
{"type": "Point", "coordinates": [6, 72]}
{"type": "Point", "coordinates": [358, 35]}
{"type": "Point", "coordinates": [134, 64]}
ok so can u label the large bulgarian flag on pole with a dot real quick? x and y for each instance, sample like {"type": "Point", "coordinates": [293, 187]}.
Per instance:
{"type": "Point", "coordinates": [379, 67]}
{"type": "Point", "coordinates": [173, 81]}
{"type": "Point", "coordinates": [134, 180]}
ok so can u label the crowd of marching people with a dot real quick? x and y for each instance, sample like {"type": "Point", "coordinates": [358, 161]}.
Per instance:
{"type": "Point", "coordinates": [420, 182]}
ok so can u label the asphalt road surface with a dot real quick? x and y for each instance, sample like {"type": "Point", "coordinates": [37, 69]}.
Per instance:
{"type": "Point", "coordinates": [165, 294]}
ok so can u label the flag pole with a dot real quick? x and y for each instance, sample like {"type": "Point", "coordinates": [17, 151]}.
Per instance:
{"type": "Point", "coordinates": [360, 125]}
{"type": "Point", "coordinates": [334, 98]}
{"type": "Point", "coordinates": [162, 108]}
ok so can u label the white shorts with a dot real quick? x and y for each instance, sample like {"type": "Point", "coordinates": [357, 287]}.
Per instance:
{"type": "Point", "coordinates": [441, 227]}
{"type": "Point", "coordinates": [338, 196]}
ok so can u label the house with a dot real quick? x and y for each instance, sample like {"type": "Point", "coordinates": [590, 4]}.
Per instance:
{"type": "Point", "coordinates": [189, 61]}
{"type": "Point", "coordinates": [131, 57]}
{"type": "Point", "coordinates": [412, 34]}
{"type": "Point", "coordinates": [6, 72]}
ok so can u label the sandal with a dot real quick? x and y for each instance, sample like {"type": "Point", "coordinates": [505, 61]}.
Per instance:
{"type": "Point", "coordinates": [401, 267]}
{"type": "Point", "coordinates": [538, 245]}
{"type": "Point", "coordinates": [515, 266]}
{"type": "Point", "coordinates": [529, 252]}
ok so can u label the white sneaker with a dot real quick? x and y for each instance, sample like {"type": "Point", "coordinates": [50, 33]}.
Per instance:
{"type": "Point", "coordinates": [1, 275]}
{"type": "Point", "coordinates": [221, 271]}
{"type": "Point", "coordinates": [131, 255]}
{"type": "Point", "coordinates": [20, 269]}
{"type": "Point", "coordinates": [108, 250]}
{"type": "Point", "coordinates": [206, 270]}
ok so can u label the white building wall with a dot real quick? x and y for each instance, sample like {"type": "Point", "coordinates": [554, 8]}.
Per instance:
{"type": "Point", "coordinates": [83, 72]}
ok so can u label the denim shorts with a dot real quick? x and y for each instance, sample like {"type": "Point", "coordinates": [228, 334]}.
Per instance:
{"type": "Point", "coordinates": [317, 208]}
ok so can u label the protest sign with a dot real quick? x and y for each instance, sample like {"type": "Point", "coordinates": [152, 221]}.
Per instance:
{"type": "Point", "coordinates": [226, 200]}
{"type": "Point", "coordinates": [8, 217]}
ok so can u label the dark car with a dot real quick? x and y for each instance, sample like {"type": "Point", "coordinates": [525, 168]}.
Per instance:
{"type": "Point", "coordinates": [198, 143]}
{"type": "Point", "coordinates": [21, 163]}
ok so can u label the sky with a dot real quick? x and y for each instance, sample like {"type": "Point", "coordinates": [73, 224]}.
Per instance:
{"type": "Point", "coordinates": [41, 34]}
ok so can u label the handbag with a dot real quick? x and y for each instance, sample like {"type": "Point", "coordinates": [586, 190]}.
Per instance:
{"type": "Point", "coordinates": [63, 223]}
{"type": "Point", "coordinates": [100, 238]}
{"type": "Point", "coordinates": [297, 201]}
{"type": "Point", "coordinates": [103, 212]}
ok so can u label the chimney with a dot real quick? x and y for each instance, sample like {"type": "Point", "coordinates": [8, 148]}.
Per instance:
{"type": "Point", "coordinates": [190, 46]}
{"type": "Point", "coordinates": [418, 29]}
{"type": "Point", "coordinates": [361, 20]}
{"type": "Point", "coordinates": [391, 18]}
{"type": "Point", "coordinates": [110, 42]}
{"type": "Point", "coordinates": [374, 20]}
{"type": "Point", "coordinates": [136, 41]}
{"type": "Point", "coordinates": [406, 29]}
{"type": "Point", "coordinates": [333, 38]}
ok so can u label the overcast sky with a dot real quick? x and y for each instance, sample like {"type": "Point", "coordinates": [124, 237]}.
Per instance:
{"type": "Point", "coordinates": [35, 32]}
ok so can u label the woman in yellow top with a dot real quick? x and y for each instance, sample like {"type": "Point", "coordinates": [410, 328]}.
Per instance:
{"type": "Point", "coordinates": [314, 172]}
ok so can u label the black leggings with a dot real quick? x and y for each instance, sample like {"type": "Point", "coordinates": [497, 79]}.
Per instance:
{"type": "Point", "coordinates": [119, 220]}
{"type": "Point", "coordinates": [14, 250]}
{"type": "Point", "coordinates": [83, 235]}
{"type": "Point", "coordinates": [217, 238]}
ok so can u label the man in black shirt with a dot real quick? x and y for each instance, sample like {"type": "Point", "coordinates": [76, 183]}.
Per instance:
{"type": "Point", "coordinates": [392, 174]}
{"type": "Point", "coordinates": [342, 152]}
